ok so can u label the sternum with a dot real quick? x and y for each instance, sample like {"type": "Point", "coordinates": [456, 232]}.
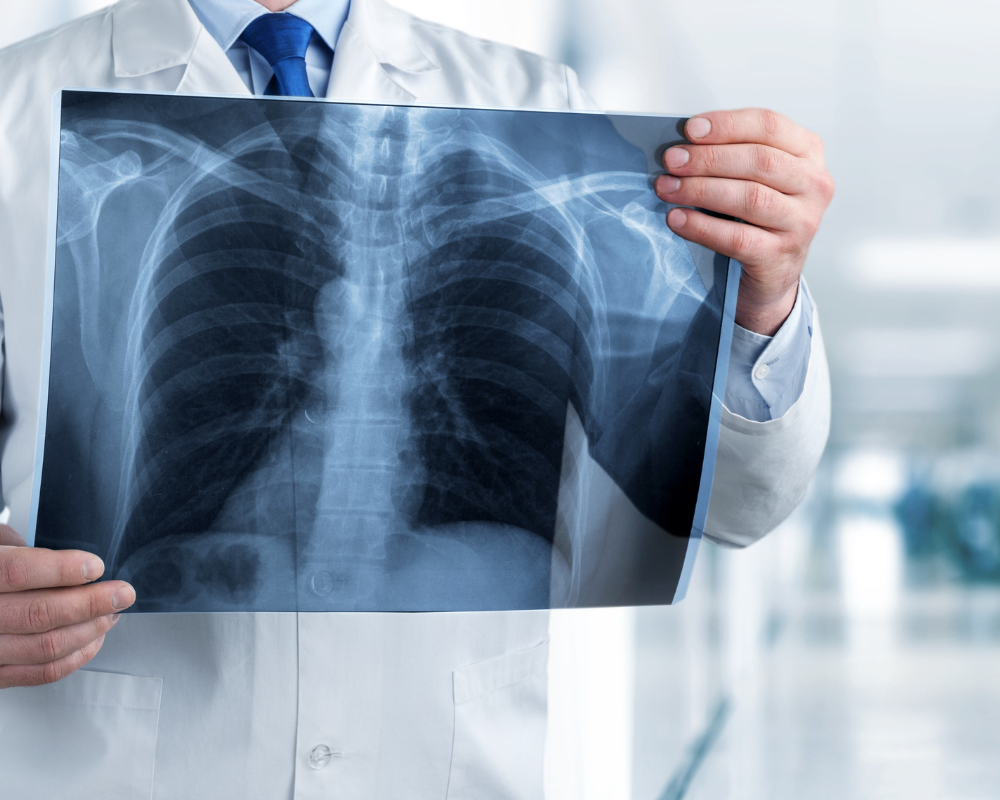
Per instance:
{"type": "Point", "coordinates": [366, 419]}
{"type": "Point", "coordinates": [363, 321]}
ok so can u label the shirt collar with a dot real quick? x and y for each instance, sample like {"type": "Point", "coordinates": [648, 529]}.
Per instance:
{"type": "Point", "coordinates": [225, 20]}
{"type": "Point", "coordinates": [152, 35]}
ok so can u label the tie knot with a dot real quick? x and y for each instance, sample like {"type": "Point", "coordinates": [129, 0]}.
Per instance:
{"type": "Point", "coordinates": [278, 36]}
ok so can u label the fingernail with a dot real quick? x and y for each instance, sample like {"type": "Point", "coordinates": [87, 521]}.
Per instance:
{"type": "Point", "coordinates": [677, 157]}
{"type": "Point", "coordinates": [123, 598]}
{"type": "Point", "coordinates": [667, 184]}
{"type": "Point", "coordinates": [677, 218]}
{"type": "Point", "coordinates": [92, 569]}
{"type": "Point", "coordinates": [115, 618]}
{"type": "Point", "coordinates": [698, 128]}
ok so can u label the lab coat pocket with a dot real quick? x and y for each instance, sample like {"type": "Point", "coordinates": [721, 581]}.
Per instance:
{"type": "Point", "coordinates": [500, 718]}
{"type": "Point", "coordinates": [92, 734]}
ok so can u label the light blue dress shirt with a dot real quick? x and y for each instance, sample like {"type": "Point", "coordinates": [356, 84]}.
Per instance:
{"type": "Point", "coordinates": [766, 373]}
{"type": "Point", "coordinates": [227, 19]}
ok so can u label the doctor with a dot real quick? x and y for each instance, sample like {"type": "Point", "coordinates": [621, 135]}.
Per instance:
{"type": "Point", "coordinates": [347, 705]}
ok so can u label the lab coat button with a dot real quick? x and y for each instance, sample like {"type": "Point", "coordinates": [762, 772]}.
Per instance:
{"type": "Point", "coordinates": [320, 756]}
{"type": "Point", "coordinates": [761, 372]}
{"type": "Point", "coordinates": [323, 583]}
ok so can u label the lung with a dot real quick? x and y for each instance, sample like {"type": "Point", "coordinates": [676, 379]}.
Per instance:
{"type": "Point", "coordinates": [225, 352]}
{"type": "Point", "coordinates": [505, 334]}
{"type": "Point", "coordinates": [334, 351]}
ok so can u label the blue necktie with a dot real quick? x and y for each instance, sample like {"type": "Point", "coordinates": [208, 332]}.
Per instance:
{"type": "Point", "coordinates": [283, 40]}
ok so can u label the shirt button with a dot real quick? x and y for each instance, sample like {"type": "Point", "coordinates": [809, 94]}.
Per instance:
{"type": "Point", "coordinates": [761, 372]}
{"type": "Point", "coordinates": [320, 756]}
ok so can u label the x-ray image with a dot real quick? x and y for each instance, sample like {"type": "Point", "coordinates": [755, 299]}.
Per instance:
{"type": "Point", "coordinates": [317, 356]}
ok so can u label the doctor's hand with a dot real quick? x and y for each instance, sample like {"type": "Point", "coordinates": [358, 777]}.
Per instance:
{"type": "Point", "coordinates": [765, 170]}
{"type": "Point", "coordinates": [52, 618]}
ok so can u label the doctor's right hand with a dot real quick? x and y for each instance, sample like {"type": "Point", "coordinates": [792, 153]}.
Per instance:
{"type": "Point", "coordinates": [52, 618]}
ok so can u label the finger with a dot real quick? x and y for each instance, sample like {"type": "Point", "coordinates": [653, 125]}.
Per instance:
{"type": "Point", "coordinates": [10, 537]}
{"type": "Point", "coordinates": [747, 200]}
{"type": "Point", "coordinates": [39, 674]}
{"type": "Point", "coordinates": [758, 125]}
{"type": "Point", "coordinates": [41, 648]}
{"type": "Point", "coordinates": [46, 609]}
{"type": "Point", "coordinates": [750, 162]}
{"type": "Point", "coordinates": [24, 568]}
{"type": "Point", "coordinates": [746, 243]}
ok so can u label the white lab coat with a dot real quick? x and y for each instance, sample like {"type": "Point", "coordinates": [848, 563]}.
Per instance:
{"type": "Point", "coordinates": [235, 705]}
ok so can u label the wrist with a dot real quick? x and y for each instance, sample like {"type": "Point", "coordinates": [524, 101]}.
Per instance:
{"type": "Point", "coordinates": [765, 316]}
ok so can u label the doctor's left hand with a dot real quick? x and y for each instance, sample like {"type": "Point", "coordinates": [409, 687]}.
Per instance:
{"type": "Point", "coordinates": [53, 619]}
{"type": "Point", "coordinates": [763, 169]}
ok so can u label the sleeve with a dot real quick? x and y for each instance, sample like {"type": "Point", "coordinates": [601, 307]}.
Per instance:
{"type": "Point", "coordinates": [763, 469]}
{"type": "Point", "coordinates": [767, 373]}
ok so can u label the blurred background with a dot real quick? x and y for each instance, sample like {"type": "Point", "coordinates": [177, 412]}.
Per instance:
{"type": "Point", "coordinates": [855, 652]}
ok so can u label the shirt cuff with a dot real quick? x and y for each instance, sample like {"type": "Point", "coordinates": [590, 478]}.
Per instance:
{"type": "Point", "coordinates": [767, 373]}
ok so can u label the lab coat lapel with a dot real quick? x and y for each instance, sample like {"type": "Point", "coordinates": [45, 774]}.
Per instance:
{"type": "Point", "coordinates": [376, 58]}
{"type": "Point", "coordinates": [153, 35]}
{"type": "Point", "coordinates": [210, 71]}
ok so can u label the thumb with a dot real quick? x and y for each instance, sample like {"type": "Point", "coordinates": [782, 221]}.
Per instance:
{"type": "Point", "coordinates": [10, 537]}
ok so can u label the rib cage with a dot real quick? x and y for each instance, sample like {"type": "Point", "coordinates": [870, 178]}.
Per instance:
{"type": "Point", "coordinates": [388, 332]}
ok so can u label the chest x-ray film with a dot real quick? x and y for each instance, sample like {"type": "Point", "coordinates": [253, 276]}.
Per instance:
{"type": "Point", "coordinates": [319, 356]}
